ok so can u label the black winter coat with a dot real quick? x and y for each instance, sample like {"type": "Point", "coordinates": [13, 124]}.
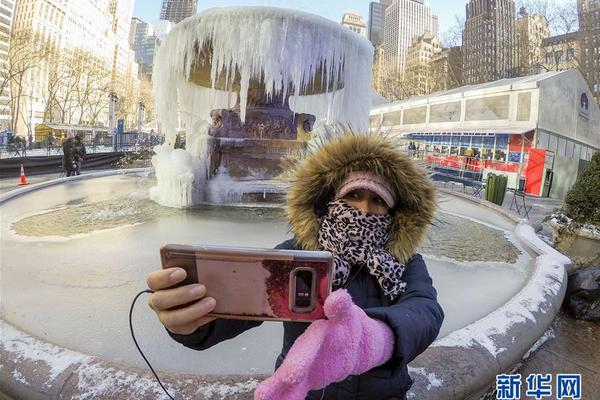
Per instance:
{"type": "Point", "coordinates": [71, 154]}
{"type": "Point", "coordinates": [415, 318]}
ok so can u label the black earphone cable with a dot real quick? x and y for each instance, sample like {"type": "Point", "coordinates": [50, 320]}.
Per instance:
{"type": "Point", "coordinates": [136, 343]}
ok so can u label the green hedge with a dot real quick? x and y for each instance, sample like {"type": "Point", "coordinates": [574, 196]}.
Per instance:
{"type": "Point", "coordinates": [582, 203]}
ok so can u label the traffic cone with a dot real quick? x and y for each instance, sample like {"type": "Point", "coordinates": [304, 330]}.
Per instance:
{"type": "Point", "coordinates": [23, 178]}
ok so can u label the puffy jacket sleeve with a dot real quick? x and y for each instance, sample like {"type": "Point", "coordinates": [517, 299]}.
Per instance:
{"type": "Point", "coordinates": [416, 317]}
{"type": "Point", "coordinates": [220, 329]}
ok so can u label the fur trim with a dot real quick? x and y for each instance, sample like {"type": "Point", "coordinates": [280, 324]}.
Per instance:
{"type": "Point", "coordinates": [319, 175]}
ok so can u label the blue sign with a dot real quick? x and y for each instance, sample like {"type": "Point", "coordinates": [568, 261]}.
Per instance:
{"type": "Point", "coordinates": [120, 125]}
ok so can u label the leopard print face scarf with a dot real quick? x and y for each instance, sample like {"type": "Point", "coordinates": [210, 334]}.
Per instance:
{"type": "Point", "coordinates": [355, 237]}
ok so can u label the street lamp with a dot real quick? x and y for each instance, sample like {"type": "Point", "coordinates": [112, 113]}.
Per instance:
{"type": "Point", "coordinates": [111, 118]}
{"type": "Point", "coordinates": [141, 115]}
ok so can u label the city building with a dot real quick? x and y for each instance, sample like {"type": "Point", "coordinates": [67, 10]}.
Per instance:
{"type": "Point", "coordinates": [488, 40]}
{"type": "Point", "coordinates": [95, 34]}
{"type": "Point", "coordinates": [378, 68]}
{"type": "Point", "coordinates": [446, 69]}
{"type": "Point", "coordinates": [589, 27]}
{"type": "Point", "coordinates": [121, 12]}
{"type": "Point", "coordinates": [178, 10]}
{"type": "Point", "coordinates": [144, 43]}
{"type": "Point", "coordinates": [6, 22]}
{"type": "Point", "coordinates": [419, 54]}
{"type": "Point", "coordinates": [435, 25]}
{"type": "Point", "coordinates": [530, 32]}
{"type": "Point", "coordinates": [561, 52]}
{"type": "Point", "coordinates": [376, 21]}
{"type": "Point", "coordinates": [355, 22]}
{"type": "Point", "coordinates": [542, 128]}
{"type": "Point", "coordinates": [404, 19]}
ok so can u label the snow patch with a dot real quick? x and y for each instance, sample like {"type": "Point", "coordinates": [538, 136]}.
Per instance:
{"type": "Point", "coordinates": [17, 376]}
{"type": "Point", "coordinates": [25, 348]}
{"type": "Point", "coordinates": [432, 380]}
{"type": "Point", "coordinates": [549, 334]}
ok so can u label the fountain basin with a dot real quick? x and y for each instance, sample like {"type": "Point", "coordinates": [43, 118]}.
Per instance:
{"type": "Point", "coordinates": [82, 304]}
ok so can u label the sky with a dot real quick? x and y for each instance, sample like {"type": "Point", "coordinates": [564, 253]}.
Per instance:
{"type": "Point", "coordinates": [149, 10]}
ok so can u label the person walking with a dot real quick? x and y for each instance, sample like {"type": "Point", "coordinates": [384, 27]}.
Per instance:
{"type": "Point", "coordinates": [70, 154]}
{"type": "Point", "coordinates": [369, 204]}
{"type": "Point", "coordinates": [81, 153]}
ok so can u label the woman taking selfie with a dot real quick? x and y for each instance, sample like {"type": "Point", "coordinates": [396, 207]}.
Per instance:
{"type": "Point", "coordinates": [361, 199]}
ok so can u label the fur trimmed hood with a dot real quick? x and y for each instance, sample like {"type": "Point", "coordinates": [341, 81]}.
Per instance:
{"type": "Point", "coordinates": [318, 176]}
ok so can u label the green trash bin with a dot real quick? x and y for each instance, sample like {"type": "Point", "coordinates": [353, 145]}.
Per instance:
{"type": "Point", "coordinates": [495, 188]}
{"type": "Point", "coordinates": [490, 184]}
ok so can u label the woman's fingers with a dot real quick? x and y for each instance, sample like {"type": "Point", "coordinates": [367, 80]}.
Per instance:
{"type": "Point", "coordinates": [165, 278]}
{"type": "Point", "coordinates": [192, 326]}
{"type": "Point", "coordinates": [183, 319]}
{"type": "Point", "coordinates": [169, 298]}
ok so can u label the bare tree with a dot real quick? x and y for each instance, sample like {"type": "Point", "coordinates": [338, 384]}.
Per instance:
{"type": "Point", "coordinates": [128, 95]}
{"type": "Point", "coordinates": [26, 53]}
{"type": "Point", "coordinates": [561, 15]}
{"type": "Point", "coordinates": [146, 96]}
{"type": "Point", "coordinates": [395, 85]}
{"type": "Point", "coordinates": [452, 37]}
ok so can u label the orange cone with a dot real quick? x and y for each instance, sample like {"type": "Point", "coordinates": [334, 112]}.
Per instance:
{"type": "Point", "coordinates": [23, 178]}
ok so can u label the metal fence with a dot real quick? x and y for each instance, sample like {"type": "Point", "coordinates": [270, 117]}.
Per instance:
{"type": "Point", "coordinates": [101, 142]}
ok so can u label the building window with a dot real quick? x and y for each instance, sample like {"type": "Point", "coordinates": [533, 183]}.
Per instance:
{"type": "Point", "coordinates": [570, 54]}
{"type": "Point", "coordinates": [559, 57]}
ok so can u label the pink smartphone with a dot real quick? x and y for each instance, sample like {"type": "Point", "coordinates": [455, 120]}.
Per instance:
{"type": "Point", "coordinates": [255, 283]}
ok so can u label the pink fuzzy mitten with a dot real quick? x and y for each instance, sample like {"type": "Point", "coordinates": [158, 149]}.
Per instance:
{"type": "Point", "coordinates": [347, 343]}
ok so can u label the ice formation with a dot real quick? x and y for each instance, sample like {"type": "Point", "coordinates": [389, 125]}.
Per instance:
{"type": "Point", "coordinates": [283, 48]}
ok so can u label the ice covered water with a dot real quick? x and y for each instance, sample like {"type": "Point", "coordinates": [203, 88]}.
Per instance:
{"type": "Point", "coordinates": [74, 288]}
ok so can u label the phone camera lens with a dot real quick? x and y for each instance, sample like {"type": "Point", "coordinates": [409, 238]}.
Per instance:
{"type": "Point", "coordinates": [303, 293]}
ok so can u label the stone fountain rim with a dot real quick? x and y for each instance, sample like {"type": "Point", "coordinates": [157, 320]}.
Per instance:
{"type": "Point", "coordinates": [28, 377]}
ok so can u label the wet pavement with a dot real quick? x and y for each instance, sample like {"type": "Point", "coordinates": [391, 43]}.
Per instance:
{"type": "Point", "coordinates": [574, 350]}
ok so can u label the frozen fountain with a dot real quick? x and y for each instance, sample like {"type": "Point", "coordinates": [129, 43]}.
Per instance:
{"type": "Point", "coordinates": [248, 85]}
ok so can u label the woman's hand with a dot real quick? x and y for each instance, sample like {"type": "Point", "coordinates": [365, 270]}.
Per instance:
{"type": "Point", "coordinates": [184, 320]}
{"type": "Point", "coordinates": [347, 343]}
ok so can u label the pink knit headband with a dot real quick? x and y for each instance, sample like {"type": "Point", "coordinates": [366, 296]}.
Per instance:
{"type": "Point", "coordinates": [370, 181]}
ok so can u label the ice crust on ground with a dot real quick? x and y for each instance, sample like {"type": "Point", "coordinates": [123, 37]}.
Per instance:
{"type": "Point", "coordinates": [96, 380]}
{"type": "Point", "coordinates": [546, 281]}
{"type": "Point", "coordinates": [432, 380]}
{"type": "Point", "coordinates": [283, 48]}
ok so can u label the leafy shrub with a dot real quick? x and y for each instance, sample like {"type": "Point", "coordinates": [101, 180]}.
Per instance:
{"type": "Point", "coordinates": [582, 203]}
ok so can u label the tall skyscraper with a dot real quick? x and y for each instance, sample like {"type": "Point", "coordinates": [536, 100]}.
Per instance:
{"type": "Point", "coordinates": [530, 32]}
{"type": "Point", "coordinates": [488, 40]}
{"type": "Point", "coordinates": [177, 10]}
{"type": "Point", "coordinates": [589, 27]}
{"type": "Point", "coordinates": [404, 19]}
{"type": "Point", "coordinates": [6, 21]}
{"type": "Point", "coordinates": [355, 22]}
{"type": "Point", "coordinates": [376, 21]}
{"type": "Point", "coordinates": [144, 41]}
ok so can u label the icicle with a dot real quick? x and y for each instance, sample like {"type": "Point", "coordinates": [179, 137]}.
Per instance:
{"type": "Point", "coordinates": [282, 47]}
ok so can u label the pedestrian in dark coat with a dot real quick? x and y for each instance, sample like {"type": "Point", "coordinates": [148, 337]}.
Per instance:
{"type": "Point", "coordinates": [371, 206]}
{"type": "Point", "coordinates": [70, 154]}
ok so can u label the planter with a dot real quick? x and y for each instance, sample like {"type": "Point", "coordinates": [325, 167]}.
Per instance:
{"type": "Point", "coordinates": [580, 244]}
